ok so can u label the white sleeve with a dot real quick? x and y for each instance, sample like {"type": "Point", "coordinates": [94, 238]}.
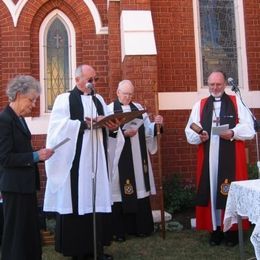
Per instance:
{"type": "Point", "coordinates": [61, 126]}
{"type": "Point", "coordinates": [244, 130]}
{"type": "Point", "coordinates": [105, 106]}
{"type": "Point", "coordinates": [192, 137]}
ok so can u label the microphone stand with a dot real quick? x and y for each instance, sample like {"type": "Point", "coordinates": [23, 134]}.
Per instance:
{"type": "Point", "coordinates": [256, 127]}
{"type": "Point", "coordinates": [93, 175]}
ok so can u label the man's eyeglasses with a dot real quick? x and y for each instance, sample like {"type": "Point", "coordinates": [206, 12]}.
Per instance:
{"type": "Point", "coordinates": [127, 94]}
{"type": "Point", "coordinates": [95, 79]}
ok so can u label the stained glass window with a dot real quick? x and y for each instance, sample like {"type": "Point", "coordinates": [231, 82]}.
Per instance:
{"type": "Point", "coordinates": [218, 37]}
{"type": "Point", "coordinates": [57, 78]}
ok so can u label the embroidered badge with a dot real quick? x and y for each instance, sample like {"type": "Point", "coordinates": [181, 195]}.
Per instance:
{"type": "Point", "coordinates": [128, 188]}
{"type": "Point", "coordinates": [224, 187]}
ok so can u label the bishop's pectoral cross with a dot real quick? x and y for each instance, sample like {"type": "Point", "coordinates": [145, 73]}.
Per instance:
{"type": "Point", "coordinates": [217, 121]}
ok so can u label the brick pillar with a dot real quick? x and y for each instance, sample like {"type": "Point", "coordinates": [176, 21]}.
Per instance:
{"type": "Point", "coordinates": [140, 67]}
{"type": "Point", "coordinates": [135, 4]}
{"type": "Point", "coordinates": [114, 48]}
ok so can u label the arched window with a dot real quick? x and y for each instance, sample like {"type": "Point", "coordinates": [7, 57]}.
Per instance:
{"type": "Point", "coordinates": [57, 58]}
{"type": "Point", "coordinates": [57, 76]}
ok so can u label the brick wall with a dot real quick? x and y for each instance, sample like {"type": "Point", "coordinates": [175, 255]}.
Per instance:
{"type": "Point", "coordinates": [114, 46]}
{"type": "Point", "coordinates": [252, 23]}
{"type": "Point", "coordinates": [174, 33]}
{"type": "Point", "coordinates": [135, 4]}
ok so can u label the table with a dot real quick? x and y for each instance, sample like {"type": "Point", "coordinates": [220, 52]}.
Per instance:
{"type": "Point", "coordinates": [244, 201]}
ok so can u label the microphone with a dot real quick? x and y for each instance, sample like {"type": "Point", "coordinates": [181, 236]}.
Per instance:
{"type": "Point", "coordinates": [232, 83]}
{"type": "Point", "coordinates": [90, 86]}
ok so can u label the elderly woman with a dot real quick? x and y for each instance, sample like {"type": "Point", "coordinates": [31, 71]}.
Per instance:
{"type": "Point", "coordinates": [19, 175]}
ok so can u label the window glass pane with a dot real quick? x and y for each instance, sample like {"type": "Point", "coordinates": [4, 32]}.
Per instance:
{"type": "Point", "coordinates": [57, 63]}
{"type": "Point", "coordinates": [218, 37]}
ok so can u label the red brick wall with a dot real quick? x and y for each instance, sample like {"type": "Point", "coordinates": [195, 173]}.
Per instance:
{"type": "Point", "coordinates": [114, 47]}
{"type": "Point", "coordinates": [135, 4]}
{"type": "Point", "coordinates": [174, 33]}
{"type": "Point", "coordinates": [252, 23]}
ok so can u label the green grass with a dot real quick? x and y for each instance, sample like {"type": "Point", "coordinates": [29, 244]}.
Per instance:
{"type": "Point", "coordinates": [185, 244]}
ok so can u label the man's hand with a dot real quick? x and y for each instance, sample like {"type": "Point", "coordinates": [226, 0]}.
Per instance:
{"type": "Point", "coordinates": [45, 153]}
{"type": "Point", "coordinates": [204, 136]}
{"type": "Point", "coordinates": [158, 120]}
{"type": "Point", "coordinates": [227, 134]}
{"type": "Point", "coordinates": [112, 125]}
{"type": "Point", "coordinates": [130, 132]}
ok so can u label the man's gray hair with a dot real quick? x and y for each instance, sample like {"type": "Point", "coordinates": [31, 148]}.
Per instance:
{"type": "Point", "coordinates": [78, 71]}
{"type": "Point", "coordinates": [23, 84]}
{"type": "Point", "coordinates": [124, 82]}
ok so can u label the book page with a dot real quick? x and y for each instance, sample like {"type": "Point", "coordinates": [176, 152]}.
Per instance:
{"type": "Point", "coordinates": [216, 130]}
{"type": "Point", "coordinates": [133, 124]}
{"type": "Point", "coordinates": [123, 117]}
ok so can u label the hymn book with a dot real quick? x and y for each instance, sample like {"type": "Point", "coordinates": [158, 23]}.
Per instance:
{"type": "Point", "coordinates": [122, 117]}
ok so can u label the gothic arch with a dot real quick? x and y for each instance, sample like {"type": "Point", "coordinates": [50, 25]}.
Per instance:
{"type": "Point", "coordinates": [16, 9]}
{"type": "Point", "coordinates": [42, 37]}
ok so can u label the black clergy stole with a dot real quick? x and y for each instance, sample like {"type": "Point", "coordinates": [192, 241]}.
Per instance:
{"type": "Point", "coordinates": [77, 113]}
{"type": "Point", "coordinates": [227, 153]}
{"type": "Point", "coordinates": [126, 166]}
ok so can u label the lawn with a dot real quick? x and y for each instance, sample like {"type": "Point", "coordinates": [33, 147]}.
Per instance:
{"type": "Point", "coordinates": [184, 244]}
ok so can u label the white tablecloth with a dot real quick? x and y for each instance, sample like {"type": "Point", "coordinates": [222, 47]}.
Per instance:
{"type": "Point", "coordinates": [244, 200]}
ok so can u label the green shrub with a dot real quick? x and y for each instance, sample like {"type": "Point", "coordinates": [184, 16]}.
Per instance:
{"type": "Point", "coordinates": [178, 195]}
{"type": "Point", "coordinates": [252, 171]}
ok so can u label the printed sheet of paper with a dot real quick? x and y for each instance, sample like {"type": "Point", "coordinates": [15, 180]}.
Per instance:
{"type": "Point", "coordinates": [64, 141]}
{"type": "Point", "coordinates": [216, 130]}
{"type": "Point", "coordinates": [133, 124]}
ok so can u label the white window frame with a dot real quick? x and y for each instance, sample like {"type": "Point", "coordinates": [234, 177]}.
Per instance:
{"type": "Point", "coordinates": [71, 53]}
{"type": "Point", "coordinates": [240, 40]}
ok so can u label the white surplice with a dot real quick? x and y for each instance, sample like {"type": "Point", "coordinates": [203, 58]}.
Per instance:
{"type": "Point", "coordinates": [115, 149]}
{"type": "Point", "coordinates": [244, 130]}
{"type": "Point", "coordinates": [58, 189]}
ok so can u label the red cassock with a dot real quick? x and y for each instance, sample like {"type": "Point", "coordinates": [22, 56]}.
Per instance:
{"type": "Point", "coordinates": [203, 214]}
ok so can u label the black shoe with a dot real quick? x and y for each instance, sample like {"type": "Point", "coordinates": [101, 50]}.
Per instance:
{"type": "Point", "coordinates": [231, 238]}
{"type": "Point", "coordinates": [216, 237]}
{"type": "Point", "coordinates": [105, 257]}
{"type": "Point", "coordinates": [119, 239]}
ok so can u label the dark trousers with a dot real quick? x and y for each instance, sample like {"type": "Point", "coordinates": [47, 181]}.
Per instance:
{"type": "Point", "coordinates": [21, 233]}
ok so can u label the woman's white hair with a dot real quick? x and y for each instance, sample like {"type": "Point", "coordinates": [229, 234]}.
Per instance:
{"type": "Point", "coordinates": [23, 84]}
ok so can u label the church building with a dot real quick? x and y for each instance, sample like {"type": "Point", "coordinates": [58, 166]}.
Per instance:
{"type": "Point", "coordinates": [165, 47]}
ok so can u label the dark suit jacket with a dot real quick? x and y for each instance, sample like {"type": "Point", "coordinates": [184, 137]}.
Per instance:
{"type": "Point", "coordinates": [18, 172]}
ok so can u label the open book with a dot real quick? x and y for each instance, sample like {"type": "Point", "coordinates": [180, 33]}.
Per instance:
{"type": "Point", "coordinates": [123, 117]}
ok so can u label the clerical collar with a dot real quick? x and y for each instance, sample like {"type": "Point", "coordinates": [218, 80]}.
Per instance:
{"type": "Point", "coordinates": [121, 104]}
{"type": "Point", "coordinates": [84, 93]}
{"type": "Point", "coordinates": [216, 99]}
